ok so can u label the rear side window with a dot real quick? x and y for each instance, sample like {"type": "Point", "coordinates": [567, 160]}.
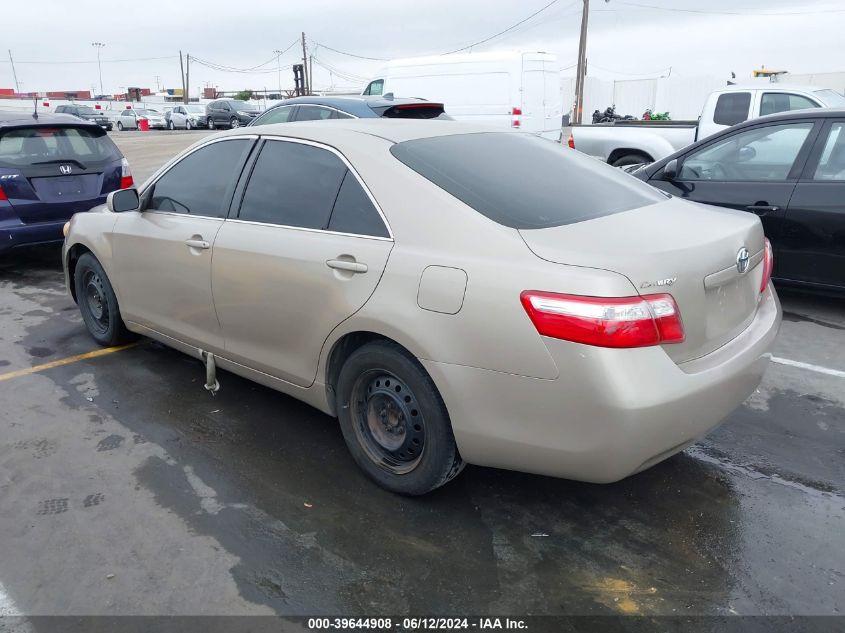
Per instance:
{"type": "Point", "coordinates": [293, 184]}
{"type": "Point", "coordinates": [276, 115]}
{"type": "Point", "coordinates": [773, 102]}
{"type": "Point", "coordinates": [313, 113]}
{"type": "Point", "coordinates": [198, 183]}
{"type": "Point", "coordinates": [42, 145]}
{"type": "Point", "coordinates": [354, 212]}
{"type": "Point", "coordinates": [732, 108]}
{"type": "Point", "coordinates": [524, 182]}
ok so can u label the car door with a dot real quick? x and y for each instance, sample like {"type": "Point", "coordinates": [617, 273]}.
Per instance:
{"type": "Point", "coordinates": [812, 242]}
{"type": "Point", "coordinates": [305, 252]}
{"type": "Point", "coordinates": [753, 169]}
{"type": "Point", "coordinates": [162, 254]}
{"type": "Point", "coordinates": [221, 114]}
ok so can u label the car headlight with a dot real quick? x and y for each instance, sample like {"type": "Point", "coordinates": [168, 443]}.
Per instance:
{"type": "Point", "coordinates": [244, 113]}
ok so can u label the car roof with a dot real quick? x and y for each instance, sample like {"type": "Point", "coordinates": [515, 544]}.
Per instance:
{"type": "Point", "coordinates": [775, 86]}
{"type": "Point", "coordinates": [26, 119]}
{"type": "Point", "coordinates": [392, 130]}
{"type": "Point", "coordinates": [357, 105]}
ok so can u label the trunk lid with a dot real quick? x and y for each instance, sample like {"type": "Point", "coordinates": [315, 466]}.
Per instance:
{"type": "Point", "coordinates": [684, 249]}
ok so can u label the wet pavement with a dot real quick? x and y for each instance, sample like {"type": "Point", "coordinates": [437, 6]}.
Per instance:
{"type": "Point", "coordinates": [125, 488]}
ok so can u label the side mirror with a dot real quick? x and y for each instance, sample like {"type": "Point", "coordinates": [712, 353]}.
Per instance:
{"type": "Point", "coordinates": [670, 170]}
{"type": "Point", "coordinates": [123, 200]}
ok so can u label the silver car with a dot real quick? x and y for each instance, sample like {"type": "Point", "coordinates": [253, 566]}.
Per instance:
{"type": "Point", "coordinates": [186, 117]}
{"type": "Point", "coordinates": [129, 119]}
{"type": "Point", "coordinates": [452, 294]}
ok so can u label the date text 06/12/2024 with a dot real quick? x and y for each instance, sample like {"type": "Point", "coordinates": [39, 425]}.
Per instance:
{"type": "Point", "coordinates": [416, 624]}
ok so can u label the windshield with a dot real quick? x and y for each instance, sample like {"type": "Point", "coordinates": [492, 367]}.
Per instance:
{"type": "Point", "coordinates": [524, 182]}
{"type": "Point", "coordinates": [29, 146]}
{"type": "Point", "coordinates": [242, 105]}
{"type": "Point", "coordinates": [195, 109]}
{"type": "Point", "coordinates": [831, 98]}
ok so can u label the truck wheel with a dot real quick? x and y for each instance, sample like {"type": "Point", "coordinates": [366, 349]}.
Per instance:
{"type": "Point", "coordinates": [631, 159]}
{"type": "Point", "coordinates": [394, 421]}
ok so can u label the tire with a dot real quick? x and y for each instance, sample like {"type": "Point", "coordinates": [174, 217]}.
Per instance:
{"type": "Point", "coordinates": [188, 125]}
{"type": "Point", "coordinates": [394, 421]}
{"type": "Point", "coordinates": [98, 303]}
{"type": "Point", "coordinates": [235, 122]}
{"type": "Point", "coordinates": [631, 159]}
{"type": "Point", "coordinates": [120, 126]}
{"type": "Point", "coordinates": [210, 123]}
{"type": "Point", "coordinates": [171, 125]}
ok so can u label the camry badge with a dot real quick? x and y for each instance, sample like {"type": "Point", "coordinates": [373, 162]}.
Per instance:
{"type": "Point", "coordinates": [65, 169]}
{"type": "Point", "coordinates": [742, 259]}
{"type": "Point", "coordinates": [660, 282]}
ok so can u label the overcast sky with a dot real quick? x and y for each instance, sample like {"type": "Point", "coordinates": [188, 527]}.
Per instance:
{"type": "Point", "coordinates": [625, 41]}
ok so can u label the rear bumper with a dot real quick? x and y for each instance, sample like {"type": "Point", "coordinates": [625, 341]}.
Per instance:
{"type": "Point", "coordinates": [12, 235]}
{"type": "Point", "coordinates": [610, 413]}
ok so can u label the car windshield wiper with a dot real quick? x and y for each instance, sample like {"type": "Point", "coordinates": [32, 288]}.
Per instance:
{"type": "Point", "coordinates": [60, 160]}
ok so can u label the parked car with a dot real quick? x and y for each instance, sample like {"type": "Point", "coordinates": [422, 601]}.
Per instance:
{"type": "Point", "coordinates": [186, 117]}
{"type": "Point", "coordinates": [512, 89]}
{"type": "Point", "coordinates": [229, 113]}
{"type": "Point", "coordinates": [87, 113]}
{"type": "Point", "coordinates": [634, 142]}
{"type": "Point", "coordinates": [50, 168]}
{"type": "Point", "coordinates": [789, 169]}
{"type": "Point", "coordinates": [452, 296]}
{"type": "Point", "coordinates": [317, 108]}
{"type": "Point", "coordinates": [128, 119]}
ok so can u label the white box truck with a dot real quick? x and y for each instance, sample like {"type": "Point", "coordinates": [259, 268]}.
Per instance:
{"type": "Point", "coordinates": [514, 89]}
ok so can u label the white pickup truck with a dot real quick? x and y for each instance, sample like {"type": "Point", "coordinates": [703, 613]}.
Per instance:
{"type": "Point", "coordinates": [633, 142]}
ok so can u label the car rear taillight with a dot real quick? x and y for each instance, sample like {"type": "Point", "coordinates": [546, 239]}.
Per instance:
{"type": "Point", "coordinates": [768, 265]}
{"type": "Point", "coordinates": [3, 195]}
{"type": "Point", "coordinates": [125, 175]}
{"type": "Point", "coordinates": [605, 321]}
{"type": "Point", "coordinates": [516, 114]}
{"type": "Point", "coordinates": [571, 141]}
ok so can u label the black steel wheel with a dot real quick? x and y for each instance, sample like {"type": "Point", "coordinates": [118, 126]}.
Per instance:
{"type": "Point", "coordinates": [394, 421]}
{"type": "Point", "coordinates": [98, 303]}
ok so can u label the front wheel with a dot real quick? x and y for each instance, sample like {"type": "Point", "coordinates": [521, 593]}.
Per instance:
{"type": "Point", "coordinates": [187, 125]}
{"type": "Point", "coordinates": [394, 421]}
{"type": "Point", "coordinates": [631, 159]}
{"type": "Point", "coordinates": [120, 126]}
{"type": "Point", "coordinates": [98, 303]}
{"type": "Point", "coordinates": [171, 125]}
{"type": "Point", "coordinates": [210, 123]}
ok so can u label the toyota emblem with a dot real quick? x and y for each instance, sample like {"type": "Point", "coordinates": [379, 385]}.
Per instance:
{"type": "Point", "coordinates": [742, 259]}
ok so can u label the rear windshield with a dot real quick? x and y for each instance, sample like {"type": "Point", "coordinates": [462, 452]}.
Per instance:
{"type": "Point", "coordinates": [522, 181]}
{"type": "Point", "coordinates": [415, 111]}
{"type": "Point", "coordinates": [41, 145]}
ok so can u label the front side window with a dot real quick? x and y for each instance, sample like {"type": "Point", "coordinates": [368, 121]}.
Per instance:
{"type": "Point", "coordinates": [293, 184]}
{"type": "Point", "coordinates": [375, 88]}
{"type": "Point", "coordinates": [522, 181]}
{"type": "Point", "coordinates": [832, 161]}
{"type": "Point", "coordinates": [732, 108]}
{"type": "Point", "coordinates": [761, 153]}
{"type": "Point", "coordinates": [198, 183]}
{"type": "Point", "coordinates": [281, 114]}
{"type": "Point", "coordinates": [773, 102]}
{"type": "Point", "coordinates": [313, 113]}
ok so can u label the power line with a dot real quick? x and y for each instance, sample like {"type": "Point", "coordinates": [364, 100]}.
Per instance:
{"type": "Point", "coordinates": [375, 59]}
{"type": "Point", "coordinates": [94, 61]}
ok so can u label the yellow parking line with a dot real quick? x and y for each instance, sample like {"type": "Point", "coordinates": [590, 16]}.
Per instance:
{"type": "Point", "coordinates": [64, 361]}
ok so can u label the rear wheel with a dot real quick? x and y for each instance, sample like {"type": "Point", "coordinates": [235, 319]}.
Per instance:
{"type": "Point", "coordinates": [98, 303]}
{"type": "Point", "coordinates": [394, 421]}
{"type": "Point", "coordinates": [235, 122]}
{"type": "Point", "coordinates": [120, 126]}
{"type": "Point", "coordinates": [210, 123]}
{"type": "Point", "coordinates": [631, 159]}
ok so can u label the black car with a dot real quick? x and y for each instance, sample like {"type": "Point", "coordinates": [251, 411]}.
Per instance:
{"type": "Point", "coordinates": [86, 113]}
{"type": "Point", "coordinates": [789, 169]}
{"type": "Point", "coordinates": [316, 108]}
{"type": "Point", "coordinates": [230, 113]}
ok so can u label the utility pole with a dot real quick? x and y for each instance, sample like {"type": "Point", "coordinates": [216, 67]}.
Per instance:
{"type": "Point", "coordinates": [186, 98]}
{"type": "Point", "coordinates": [306, 83]}
{"type": "Point", "coordinates": [581, 73]}
{"type": "Point", "coordinates": [279, 69]}
{"type": "Point", "coordinates": [310, 72]}
{"type": "Point", "coordinates": [99, 46]}
{"type": "Point", "coordinates": [14, 74]}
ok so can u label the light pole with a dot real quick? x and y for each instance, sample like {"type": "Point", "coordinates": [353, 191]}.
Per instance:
{"type": "Point", "coordinates": [279, 69]}
{"type": "Point", "coordinates": [98, 46]}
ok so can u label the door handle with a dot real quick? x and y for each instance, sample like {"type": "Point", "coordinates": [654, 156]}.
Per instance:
{"type": "Point", "coordinates": [194, 243]}
{"type": "Point", "coordinates": [342, 264]}
{"type": "Point", "coordinates": [762, 209]}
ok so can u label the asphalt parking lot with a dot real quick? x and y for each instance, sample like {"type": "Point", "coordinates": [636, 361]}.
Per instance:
{"type": "Point", "coordinates": [125, 488]}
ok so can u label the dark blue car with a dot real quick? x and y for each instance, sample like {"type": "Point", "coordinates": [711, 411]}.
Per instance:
{"type": "Point", "coordinates": [51, 167]}
{"type": "Point", "coordinates": [317, 108]}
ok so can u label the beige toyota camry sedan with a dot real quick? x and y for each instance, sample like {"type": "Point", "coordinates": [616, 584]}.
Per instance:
{"type": "Point", "coordinates": [451, 294]}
